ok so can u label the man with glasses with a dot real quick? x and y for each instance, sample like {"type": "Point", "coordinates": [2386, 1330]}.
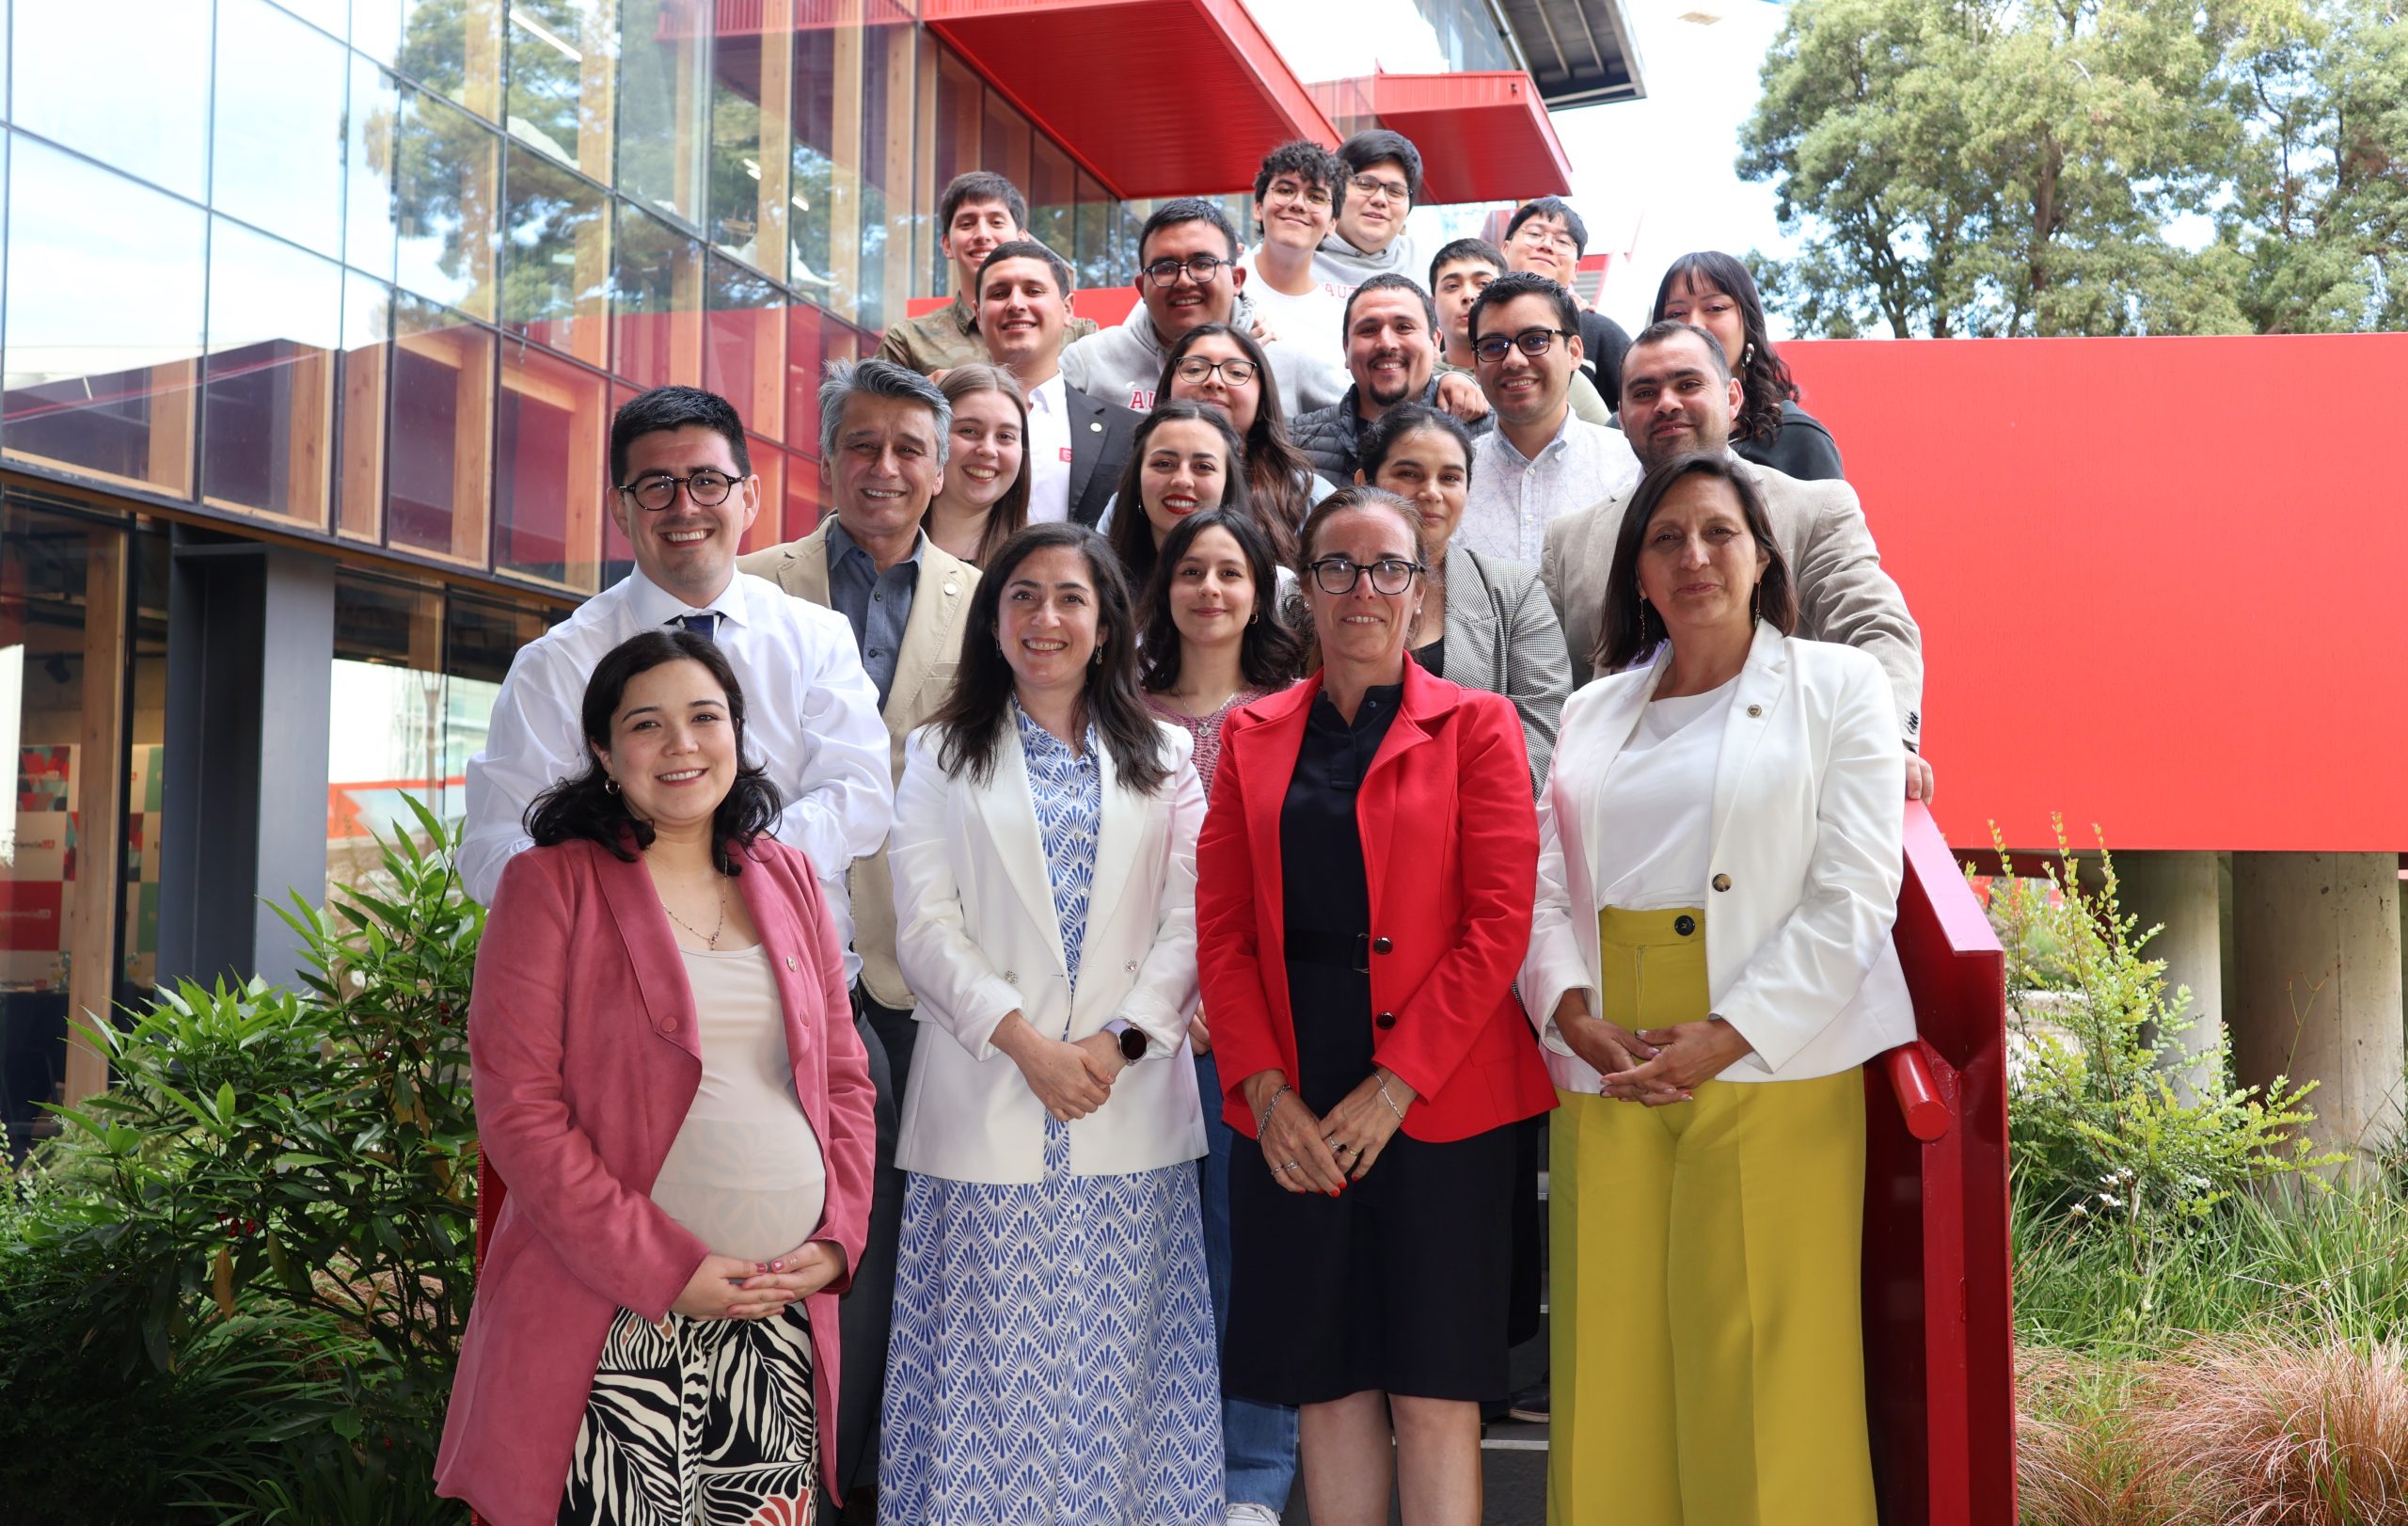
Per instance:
{"type": "Point", "coordinates": [1295, 198]}
{"type": "Point", "coordinates": [978, 211]}
{"type": "Point", "coordinates": [1077, 444]}
{"type": "Point", "coordinates": [1391, 358]}
{"type": "Point", "coordinates": [1548, 238]}
{"type": "Point", "coordinates": [1541, 462]}
{"type": "Point", "coordinates": [1458, 274]}
{"type": "Point", "coordinates": [1188, 276]}
{"type": "Point", "coordinates": [1382, 176]}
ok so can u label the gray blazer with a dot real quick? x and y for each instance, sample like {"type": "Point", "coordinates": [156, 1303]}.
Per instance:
{"type": "Point", "coordinates": [1843, 594]}
{"type": "Point", "coordinates": [1504, 637]}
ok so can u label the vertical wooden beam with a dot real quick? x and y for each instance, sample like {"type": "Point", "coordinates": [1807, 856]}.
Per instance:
{"type": "Point", "coordinates": [99, 891]}
{"type": "Point", "coordinates": [774, 209]}
{"type": "Point", "coordinates": [596, 112]}
{"type": "Point", "coordinates": [900, 53]}
{"type": "Point", "coordinates": [309, 392]}
{"type": "Point", "coordinates": [846, 151]}
{"type": "Point", "coordinates": [175, 389]}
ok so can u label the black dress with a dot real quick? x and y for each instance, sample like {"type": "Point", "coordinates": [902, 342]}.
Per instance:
{"type": "Point", "coordinates": [1402, 1281]}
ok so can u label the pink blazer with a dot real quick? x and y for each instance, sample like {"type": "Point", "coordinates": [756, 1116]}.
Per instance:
{"type": "Point", "coordinates": [581, 1042]}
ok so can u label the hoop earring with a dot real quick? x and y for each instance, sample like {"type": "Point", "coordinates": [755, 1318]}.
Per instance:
{"type": "Point", "coordinates": [610, 785]}
{"type": "Point", "coordinates": [1747, 353]}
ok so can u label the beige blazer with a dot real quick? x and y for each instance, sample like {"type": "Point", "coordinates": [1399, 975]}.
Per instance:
{"type": "Point", "coordinates": [923, 679]}
{"type": "Point", "coordinates": [1843, 594]}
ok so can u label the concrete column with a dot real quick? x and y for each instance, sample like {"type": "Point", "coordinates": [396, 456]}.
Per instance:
{"type": "Point", "coordinates": [2317, 975]}
{"type": "Point", "coordinates": [2180, 893]}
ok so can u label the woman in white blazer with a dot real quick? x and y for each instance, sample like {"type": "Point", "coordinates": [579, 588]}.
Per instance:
{"type": "Point", "coordinates": [1051, 1259]}
{"type": "Point", "coordinates": [1710, 966]}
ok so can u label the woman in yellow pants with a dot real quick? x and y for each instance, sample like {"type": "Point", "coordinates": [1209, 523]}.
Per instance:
{"type": "Point", "coordinates": [1710, 964]}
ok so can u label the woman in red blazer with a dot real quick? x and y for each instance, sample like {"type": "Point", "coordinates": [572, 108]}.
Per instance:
{"type": "Point", "coordinates": [668, 1077]}
{"type": "Point", "coordinates": [1363, 901]}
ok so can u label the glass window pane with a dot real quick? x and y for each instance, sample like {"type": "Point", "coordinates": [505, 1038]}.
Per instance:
{"type": "Point", "coordinates": [376, 28]}
{"type": "Point", "coordinates": [386, 727]}
{"type": "Point", "coordinates": [279, 146]}
{"type": "Point", "coordinates": [656, 303]}
{"type": "Point", "coordinates": [961, 107]}
{"type": "Point", "coordinates": [371, 211]}
{"type": "Point", "coordinates": [447, 174]}
{"type": "Point", "coordinates": [552, 451]}
{"type": "Point", "coordinates": [1052, 194]}
{"type": "Point", "coordinates": [770, 465]}
{"type": "Point", "coordinates": [442, 433]}
{"type": "Point", "coordinates": [267, 408]}
{"type": "Point", "coordinates": [360, 403]}
{"type": "Point", "coordinates": [751, 84]}
{"type": "Point", "coordinates": [145, 111]}
{"type": "Point", "coordinates": [1092, 264]}
{"type": "Point", "coordinates": [618, 556]}
{"type": "Point", "coordinates": [886, 171]}
{"type": "Point", "coordinates": [802, 505]}
{"type": "Point", "coordinates": [663, 93]}
{"type": "Point", "coordinates": [103, 291]}
{"type": "Point", "coordinates": [743, 358]}
{"type": "Point", "coordinates": [813, 171]}
{"type": "Point", "coordinates": [814, 337]}
{"type": "Point", "coordinates": [556, 282]}
{"type": "Point", "coordinates": [454, 47]}
{"type": "Point", "coordinates": [1007, 136]}
{"type": "Point", "coordinates": [329, 16]}
{"type": "Point", "coordinates": [562, 53]}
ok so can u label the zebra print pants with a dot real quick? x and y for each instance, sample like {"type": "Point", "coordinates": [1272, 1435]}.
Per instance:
{"type": "Point", "coordinates": [698, 1423]}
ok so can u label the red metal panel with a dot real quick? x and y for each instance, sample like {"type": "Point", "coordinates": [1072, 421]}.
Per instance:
{"type": "Point", "coordinates": [1156, 98]}
{"type": "Point", "coordinates": [2157, 578]}
{"type": "Point", "coordinates": [1483, 134]}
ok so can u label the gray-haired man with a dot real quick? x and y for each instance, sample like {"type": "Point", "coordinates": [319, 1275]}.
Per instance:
{"type": "Point", "coordinates": [883, 429]}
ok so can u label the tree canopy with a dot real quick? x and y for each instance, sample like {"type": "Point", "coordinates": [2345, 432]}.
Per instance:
{"type": "Point", "coordinates": [2087, 166]}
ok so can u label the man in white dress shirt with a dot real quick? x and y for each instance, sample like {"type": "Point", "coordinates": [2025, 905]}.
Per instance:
{"type": "Point", "coordinates": [1077, 444]}
{"type": "Point", "coordinates": [1540, 461]}
{"type": "Point", "coordinates": [684, 494]}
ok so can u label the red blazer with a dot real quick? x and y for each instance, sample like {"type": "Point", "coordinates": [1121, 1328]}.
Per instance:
{"type": "Point", "coordinates": [1451, 848]}
{"type": "Point", "coordinates": [582, 1047]}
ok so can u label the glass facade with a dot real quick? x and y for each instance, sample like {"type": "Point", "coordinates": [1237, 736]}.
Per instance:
{"type": "Point", "coordinates": [376, 271]}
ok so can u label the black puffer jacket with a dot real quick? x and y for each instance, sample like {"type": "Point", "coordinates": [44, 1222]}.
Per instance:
{"type": "Point", "coordinates": [1329, 436]}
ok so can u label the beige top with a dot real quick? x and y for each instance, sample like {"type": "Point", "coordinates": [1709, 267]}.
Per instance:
{"type": "Point", "coordinates": [744, 1172]}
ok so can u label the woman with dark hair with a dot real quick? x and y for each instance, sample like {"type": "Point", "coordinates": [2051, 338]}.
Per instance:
{"type": "Point", "coordinates": [668, 1077]}
{"type": "Point", "coordinates": [1051, 1263]}
{"type": "Point", "coordinates": [1714, 291]}
{"type": "Point", "coordinates": [1485, 620]}
{"type": "Point", "coordinates": [984, 502]}
{"type": "Point", "coordinates": [1185, 459]}
{"type": "Point", "coordinates": [1225, 367]}
{"type": "Point", "coordinates": [1363, 898]}
{"type": "Point", "coordinates": [1215, 641]}
{"type": "Point", "coordinates": [1710, 966]}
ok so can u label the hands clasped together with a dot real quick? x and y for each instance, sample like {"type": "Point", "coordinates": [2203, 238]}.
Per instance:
{"type": "Point", "coordinates": [1322, 1155]}
{"type": "Point", "coordinates": [1656, 1067]}
{"type": "Point", "coordinates": [730, 1287]}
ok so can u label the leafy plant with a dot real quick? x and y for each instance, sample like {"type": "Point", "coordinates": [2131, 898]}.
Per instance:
{"type": "Point", "coordinates": [273, 1202]}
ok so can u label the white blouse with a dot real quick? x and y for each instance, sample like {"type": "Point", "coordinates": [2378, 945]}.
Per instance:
{"type": "Point", "coordinates": [744, 1172]}
{"type": "Point", "coordinates": [1657, 802]}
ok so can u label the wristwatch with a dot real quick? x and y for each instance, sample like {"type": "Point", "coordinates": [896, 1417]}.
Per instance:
{"type": "Point", "coordinates": [1133, 1042]}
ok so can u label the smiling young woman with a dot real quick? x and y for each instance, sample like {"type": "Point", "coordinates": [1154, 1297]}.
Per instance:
{"type": "Point", "coordinates": [984, 502]}
{"type": "Point", "coordinates": [1186, 459]}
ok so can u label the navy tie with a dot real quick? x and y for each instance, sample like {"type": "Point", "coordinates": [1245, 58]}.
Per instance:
{"type": "Point", "coordinates": [704, 625]}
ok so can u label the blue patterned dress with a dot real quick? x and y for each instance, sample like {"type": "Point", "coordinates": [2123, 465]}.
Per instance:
{"type": "Point", "coordinates": [1053, 1357]}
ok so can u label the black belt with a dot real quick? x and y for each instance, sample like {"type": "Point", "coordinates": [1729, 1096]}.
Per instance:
{"type": "Point", "coordinates": [1346, 950]}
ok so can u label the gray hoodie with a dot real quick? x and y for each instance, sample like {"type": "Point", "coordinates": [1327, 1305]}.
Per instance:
{"type": "Point", "coordinates": [1345, 267]}
{"type": "Point", "coordinates": [1122, 364]}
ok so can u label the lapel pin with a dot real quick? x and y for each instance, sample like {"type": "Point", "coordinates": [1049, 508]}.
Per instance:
{"type": "Point", "coordinates": [1097, 427]}
{"type": "Point", "coordinates": [789, 962]}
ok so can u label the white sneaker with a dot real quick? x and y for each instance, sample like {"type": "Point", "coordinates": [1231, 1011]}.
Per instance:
{"type": "Point", "coordinates": [1253, 1515]}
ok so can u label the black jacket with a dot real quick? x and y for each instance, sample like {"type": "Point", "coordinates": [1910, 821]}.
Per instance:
{"type": "Point", "coordinates": [1603, 343]}
{"type": "Point", "coordinates": [1803, 450]}
{"type": "Point", "coordinates": [1102, 437]}
{"type": "Point", "coordinates": [1329, 436]}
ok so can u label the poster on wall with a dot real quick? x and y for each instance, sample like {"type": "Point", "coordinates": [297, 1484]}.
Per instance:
{"type": "Point", "coordinates": [34, 898]}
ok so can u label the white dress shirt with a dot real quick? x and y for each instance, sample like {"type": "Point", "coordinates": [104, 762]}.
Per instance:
{"type": "Point", "coordinates": [1513, 496]}
{"type": "Point", "coordinates": [811, 720]}
{"type": "Point", "coordinates": [1048, 453]}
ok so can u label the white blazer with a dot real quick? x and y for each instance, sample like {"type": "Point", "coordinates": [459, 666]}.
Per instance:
{"type": "Point", "coordinates": [1807, 857]}
{"type": "Point", "coordinates": [977, 940]}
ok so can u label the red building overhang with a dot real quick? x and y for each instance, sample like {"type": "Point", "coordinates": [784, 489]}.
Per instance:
{"type": "Point", "coordinates": [1155, 98]}
{"type": "Point", "coordinates": [1484, 136]}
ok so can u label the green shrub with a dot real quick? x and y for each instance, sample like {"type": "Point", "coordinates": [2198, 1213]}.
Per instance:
{"type": "Point", "coordinates": [261, 1235]}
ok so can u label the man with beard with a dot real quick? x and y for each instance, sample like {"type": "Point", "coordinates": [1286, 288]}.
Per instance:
{"type": "Point", "coordinates": [1391, 329]}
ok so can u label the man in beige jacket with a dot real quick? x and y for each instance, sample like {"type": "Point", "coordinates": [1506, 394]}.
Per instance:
{"type": "Point", "coordinates": [882, 435]}
{"type": "Point", "coordinates": [1678, 395]}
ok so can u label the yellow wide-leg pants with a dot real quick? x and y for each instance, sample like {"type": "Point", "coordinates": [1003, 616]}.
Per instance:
{"type": "Point", "coordinates": [1708, 1345]}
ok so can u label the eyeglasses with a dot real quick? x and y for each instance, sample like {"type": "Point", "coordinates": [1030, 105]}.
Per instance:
{"type": "Point", "coordinates": [1195, 368]}
{"type": "Point", "coordinates": [1395, 190]}
{"type": "Point", "coordinates": [1199, 268]}
{"type": "Point", "coordinates": [705, 488]}
{"type": "Point", "coordinates": [1545, 238]}
{"type": "Point", "coordinates": [1530, 342]}
{"type": "Point", "coordinates": [1288, 190]}
{"type": "Point", "coordinates": [1389, 574]}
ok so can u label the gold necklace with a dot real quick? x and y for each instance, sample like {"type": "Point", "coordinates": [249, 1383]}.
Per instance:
{"type": "Point", "coordinates": [711, 941]}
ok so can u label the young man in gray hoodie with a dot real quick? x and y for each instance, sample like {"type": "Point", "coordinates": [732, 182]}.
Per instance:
{"type": "Point", "coordinates": [1384, 179]}
{"type": "Point", "coordinates": [1188, 276]}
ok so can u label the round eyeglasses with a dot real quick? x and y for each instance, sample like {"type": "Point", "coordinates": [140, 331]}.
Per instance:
{"type": "Point", "coordinates": [1199, 268]}
{"type": "Point", "coordinates": [1389, 574]}
{"type": "Point", "coordinates": [706, 489]}
{"type": "Point", "coordinates": [1194, 370]}
{"type": "Point", "coordinates": [1530, 342]}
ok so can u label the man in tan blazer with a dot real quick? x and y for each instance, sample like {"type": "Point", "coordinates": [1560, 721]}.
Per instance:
{"type": "Point", "coordinates": [1678, 395]}
{"type": "Point", "coordinates": [882, 436]}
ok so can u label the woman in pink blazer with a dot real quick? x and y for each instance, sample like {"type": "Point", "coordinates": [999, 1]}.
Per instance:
{"type": "Point", "coordinates": [667, 1078]}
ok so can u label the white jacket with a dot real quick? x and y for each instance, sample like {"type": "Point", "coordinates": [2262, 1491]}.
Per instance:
{"type": "Point", "coordinates": [1807, 857]}
{"type": "Point", "coordinates": [977, 939]}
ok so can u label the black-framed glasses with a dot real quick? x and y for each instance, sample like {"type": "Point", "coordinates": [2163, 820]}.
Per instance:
{"type": "Point", "coordinates": [709, 490]}
{"type": "Point", "coordinates": [1339, 574]}
{"type": "Point", "coordinates": [1395, 190]}
{"type": "Point", "coordinates": [1195, 368]}
{"type": "Point", "coordinates": [1199, 268]}
{"type": "Point", "coordinates": [1530, 342]}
